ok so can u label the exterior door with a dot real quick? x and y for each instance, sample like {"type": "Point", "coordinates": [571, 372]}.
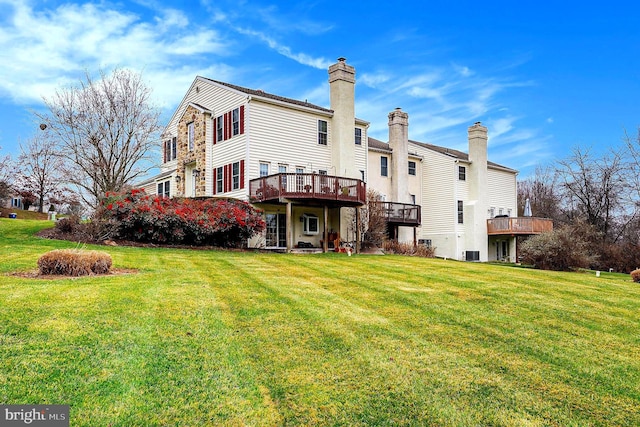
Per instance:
{"type": "Point", "coordinates": [276, 234]}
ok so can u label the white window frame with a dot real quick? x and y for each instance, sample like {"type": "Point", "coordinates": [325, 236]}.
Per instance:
{"type": "Point", "coordinates": [191, 135]}
{"type": "Point", "coordinates": [311, 224]}
{"type": "Point", "coordinates": [358, 136]}
{"type": "Point", "coordinates": [235, 175]}
{"type": "Point", "coordinates": [264, 169]}
{"type": "Point", "coordinates": [235, 121]}
{"type": "Point", "coordinates": [384, 166]}
{"type": "Point", "coordinates": [220, 179]}
{"type": "Point", "coordinates": [412, 169]}
{"type": "Point", "coordinates": [220, 129]}
{"type": "Point", "coordinates": [323, 134]}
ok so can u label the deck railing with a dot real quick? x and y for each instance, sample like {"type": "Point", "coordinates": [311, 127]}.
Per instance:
{"type": "Point", "coordinates": [308, 186]}
{"type": "Point", "coordinates": [399, 213]}
{"type": "Point", "coordinates": [518, 225]}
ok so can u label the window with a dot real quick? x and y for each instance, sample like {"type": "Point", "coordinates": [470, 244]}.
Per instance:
{"type": "Point", "coordinates": [264, 169]}
{"type": "Point", "coordinates": [164, 189]}
{"type": "Point", "coordinates": [322, 132]}
{"type": "Point", "coordinates": [384, 169]}
{"type": "Point", "coordinates": [362, 174]}
{"type": "Point", "coordinates": [16, 203]}
{"type": "Point", "coordinates": [219, 180]}
{"type": "Point", "coordinates": [460, 212]}
{"type": "Point", "coordinates": [492, 212]}
{"type": "Point", "coordinates": [235, 175]}
{"type": "Point", "coordinates": [283, 178]}
{"type": "Point", "coordinates": [462, 173]}
{"type": "Point", "coordinates": [501, 211]}
{"type": "Point", "coordinates": [358, 136]}
{"type": "Point", "coordinates": [191, 135]}
{"type": "Point", "coordinates": [170, 149]}
{"type": "Point", "coordinates": [235, 121]}
{"type": "Point", "coordinates": [310, 224]}
{"type": "Point", "coordinates": [300, 180]}
{"type": "Point", "coordinates": [413, 198]}
{"type": "Point", "coordinates": [220, 128]}
{"type": "Point", "coordinates": [412, 168]}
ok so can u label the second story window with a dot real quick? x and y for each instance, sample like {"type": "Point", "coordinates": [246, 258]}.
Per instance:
{"type": "Point", "coordinates": [191, 135]}
{"type": "Point", "coordinates": [220, 128]}
{"type": "Point", "coordinates": [384, 168]}
{"type": "Point", "coordinates": [358, 136]}
{"type": "Point", "coordinates": [412, 168]}
{"type": "Point", "coordinates": [235, 121]}
{"type": "Point", "coordinates": [462, 173]}
{"type": "Point", "coordinates": [460, 212]}
{"type": "Point", "coordinates": [264, 169]}
{"type": "Point", "coordinates": [322, 132]}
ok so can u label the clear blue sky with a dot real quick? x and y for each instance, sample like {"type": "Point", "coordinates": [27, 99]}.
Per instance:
{"type": "Point", "coordinates": [543, 76]}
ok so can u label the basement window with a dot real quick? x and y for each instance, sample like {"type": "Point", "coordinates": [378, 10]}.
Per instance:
{"type": "Point", "coordinates": [310, 225]}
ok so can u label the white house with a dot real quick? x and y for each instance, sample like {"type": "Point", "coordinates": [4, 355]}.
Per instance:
{"type": "Point", "coordinates": [307, 167]}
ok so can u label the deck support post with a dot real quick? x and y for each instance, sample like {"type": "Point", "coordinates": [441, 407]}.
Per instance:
{"type": "Point", "coordinates": [325, 233]}
{"type": "Point", "coordinates": [289, 228]}
{"type": "Point", "coordinates": [357, 248]}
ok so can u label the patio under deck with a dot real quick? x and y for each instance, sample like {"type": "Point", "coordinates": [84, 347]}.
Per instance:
{"type": "Point", "coordinates": [309, 189]}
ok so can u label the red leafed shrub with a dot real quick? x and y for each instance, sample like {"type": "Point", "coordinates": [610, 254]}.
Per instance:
{"type": "Point", "coordinates": [136, 216]}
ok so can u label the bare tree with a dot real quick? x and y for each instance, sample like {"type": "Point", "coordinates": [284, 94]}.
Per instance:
{"type": "Point", "coordinates": [594, 190]}
{"type": "Point", "coordinates": [5, 181]}
{"type": "Point", "coordinates": [106, 129]}
{"type": "Point", "coordinates": [543, 191]}
{"type": "Point", "coordinates": [41, 168]}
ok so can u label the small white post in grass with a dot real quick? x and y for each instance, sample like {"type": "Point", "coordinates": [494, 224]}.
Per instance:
{"type": "Point", "coordinates": [597, 273]}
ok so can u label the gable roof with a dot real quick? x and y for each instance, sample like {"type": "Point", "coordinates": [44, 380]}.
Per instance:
{"type": "Point", "coordinates": [263, 94]}
{"type": "Point", "coordinates": [456, 154]}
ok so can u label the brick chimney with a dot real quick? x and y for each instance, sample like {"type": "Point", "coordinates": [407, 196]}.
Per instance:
{"type": "Point", "coordinates": [342, 81]}
{"type": "Point", "coordinates": [399, 144]}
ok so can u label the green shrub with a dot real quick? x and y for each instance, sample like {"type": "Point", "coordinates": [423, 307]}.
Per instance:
{"type": "Point", "coordinates": [635, 275]}
{"type": "Point", "coordinates": [74, 262]}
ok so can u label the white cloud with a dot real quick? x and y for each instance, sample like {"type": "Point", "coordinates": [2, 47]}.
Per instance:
{"type": "Point", "coordinates": [42, 48]}
{"type": "Point", "coordinates": [302, 58]}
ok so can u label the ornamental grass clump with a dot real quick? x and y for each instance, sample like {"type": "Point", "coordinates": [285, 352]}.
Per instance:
{"type": "Point", "coordinates": [74, 262]}
{"type": "Point", "coordinates": [635, 275]}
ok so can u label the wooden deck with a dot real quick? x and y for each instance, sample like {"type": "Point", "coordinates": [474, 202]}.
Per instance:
{"type": "Point", "coordinates": [518, 226]}
{"type": "Point", "coordinates": [308, 187]}
{"type": "Point", "coordinates": [400, 213]}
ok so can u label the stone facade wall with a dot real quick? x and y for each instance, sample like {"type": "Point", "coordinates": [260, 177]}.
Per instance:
{"type": "Point", "coordinates": [186, 157]}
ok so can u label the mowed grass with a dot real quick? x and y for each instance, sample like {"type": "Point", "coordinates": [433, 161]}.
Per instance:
{"type": "Point", "coordinates": [200, 338]}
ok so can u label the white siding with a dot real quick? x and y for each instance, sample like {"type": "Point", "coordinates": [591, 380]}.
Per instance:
{"type": "Point", "coordinates": [502, 191]}
{"type": "Point", "coordinates": [281, 135]}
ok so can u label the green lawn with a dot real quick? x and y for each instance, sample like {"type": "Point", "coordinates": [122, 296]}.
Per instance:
{"type": "Point", "coordinates": [200, 338]}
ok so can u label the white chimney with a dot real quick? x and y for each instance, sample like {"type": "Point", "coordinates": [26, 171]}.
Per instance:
{"type": "Point", "coordinates": [342, 80]}
{"type": "Point", "coordinates": [399, 144]}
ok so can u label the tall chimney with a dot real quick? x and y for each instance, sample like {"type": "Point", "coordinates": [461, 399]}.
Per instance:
{"type": "Point", "coordinates": [342, 80]}
{"type": "Point", "coordinates": [399, 144]}
{"type": "Point", "coordinates": [475, 212]}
